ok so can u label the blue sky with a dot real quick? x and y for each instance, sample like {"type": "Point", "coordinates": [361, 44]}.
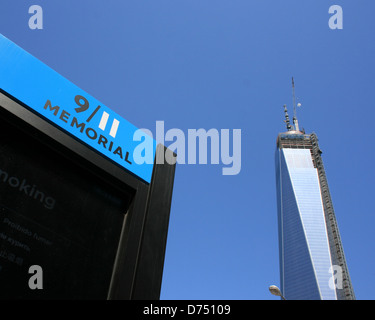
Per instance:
{"type": "Point", "coordinates": [228, 65]}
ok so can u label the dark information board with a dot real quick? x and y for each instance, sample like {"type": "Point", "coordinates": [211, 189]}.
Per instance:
{"type": "Point", "coordinates": [75, 205]}
{"type": "Point", "coordinates": [58, 215]}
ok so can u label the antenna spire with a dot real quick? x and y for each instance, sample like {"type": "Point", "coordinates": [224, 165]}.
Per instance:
{"type": "Point", "coordinates": [295, 121]}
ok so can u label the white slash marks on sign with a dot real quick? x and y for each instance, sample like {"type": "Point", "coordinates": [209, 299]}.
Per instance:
{"type": "Point", "coordinates": [83, 105]}
{"type": "Point", "coordinates": [103, 124]}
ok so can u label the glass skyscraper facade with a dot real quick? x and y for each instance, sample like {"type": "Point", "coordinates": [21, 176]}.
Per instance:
{"type": "Point", "coordinates": [312, 262]}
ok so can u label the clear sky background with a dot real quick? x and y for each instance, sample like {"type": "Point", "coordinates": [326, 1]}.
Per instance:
{"type": "Point", "coordinates": [228, 65]}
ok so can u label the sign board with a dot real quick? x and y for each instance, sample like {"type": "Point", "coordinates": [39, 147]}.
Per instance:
{"type": "Point", "coordinates": [57, 99]}
{"type": "Point", "coordinates": [72, 199]}
{"type": "Point", "coordinates": [56, 215]}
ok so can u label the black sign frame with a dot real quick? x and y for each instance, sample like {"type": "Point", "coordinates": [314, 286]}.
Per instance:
{"type": "Point", "coordinates": [138, 268]}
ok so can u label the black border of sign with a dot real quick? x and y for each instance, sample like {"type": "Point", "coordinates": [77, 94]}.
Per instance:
{"type": "Point", "coordinates": [138, 268]}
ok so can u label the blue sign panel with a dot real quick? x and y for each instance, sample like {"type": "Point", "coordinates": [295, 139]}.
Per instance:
{"type": "Point", "coordinates": [49, 94]}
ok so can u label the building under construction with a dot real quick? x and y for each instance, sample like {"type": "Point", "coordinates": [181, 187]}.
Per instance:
{"type": "Point", "coordinates": [312, 261]}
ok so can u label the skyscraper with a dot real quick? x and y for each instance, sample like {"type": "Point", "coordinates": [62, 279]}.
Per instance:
{"type": "Point", "coordinates": [312, 261]}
